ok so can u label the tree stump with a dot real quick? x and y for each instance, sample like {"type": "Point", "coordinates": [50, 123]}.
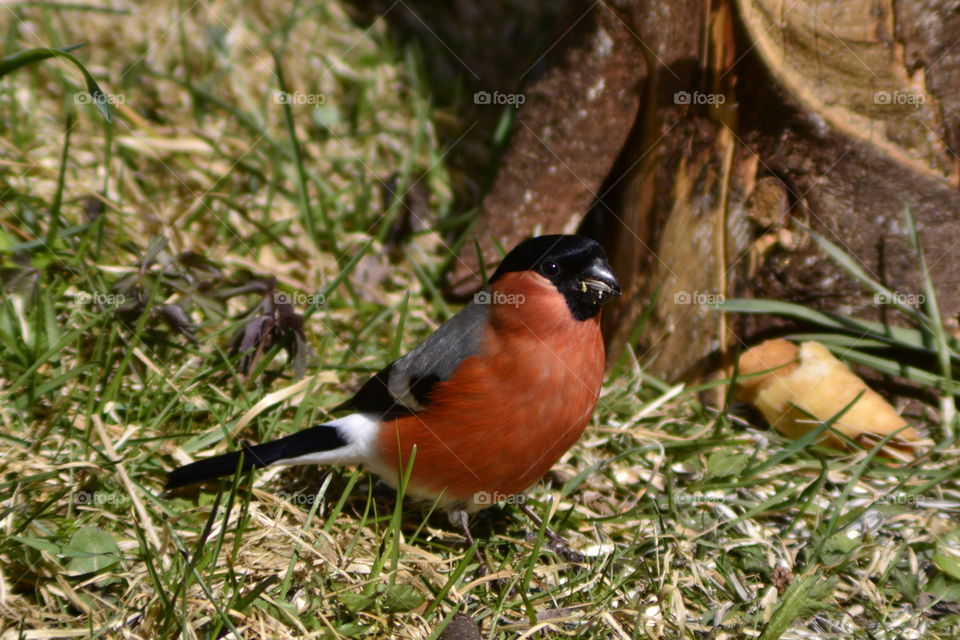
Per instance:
{"type": "Point", "coordinates": [704, 137]}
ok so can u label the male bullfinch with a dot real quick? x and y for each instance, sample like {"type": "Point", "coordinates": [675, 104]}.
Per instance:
{"type": "Point", "coordinates": [491, 399]}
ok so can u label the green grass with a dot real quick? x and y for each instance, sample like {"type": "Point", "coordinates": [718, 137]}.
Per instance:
{"type": "Point", "coordinates": [208, 196]}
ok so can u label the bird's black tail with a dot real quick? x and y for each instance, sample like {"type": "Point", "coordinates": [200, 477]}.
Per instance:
{"type": "Point", "coordinates": [320, 438]}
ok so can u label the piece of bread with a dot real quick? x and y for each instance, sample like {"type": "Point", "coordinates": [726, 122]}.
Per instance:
{"type": "Point", "coordinates": [810, 379]}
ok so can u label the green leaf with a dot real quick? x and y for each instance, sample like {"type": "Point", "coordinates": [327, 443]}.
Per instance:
{"type": "Point", "coordinates": [904, 583]}
{"type": "Point", "coordinates": [353, 630]}
{"type": "Point", "coordinates": [22, 58]}
{"type": "Point", "coordinates": [800, 598]}
{"type": "Point", "coordinates": [837, 546]}
{"type": "Point", "coordinates": [937, 331]}
{"type": "Point", "coordinates": [947, 564]}
{"type": "Point", "coordinates": [40, 544]}
{"type": "Point", "coordinates": [92, 550]}
{"type": "Point", "coordinates": [894, 335]}
{"type": "Point", "coordinates": [355, 602]}
{"type": "Point", "coordinates": [943, 589]}
{"type": "Point", "coordinates": [726, 463]}
{"type": "Point", "coordinates": [401, 597]}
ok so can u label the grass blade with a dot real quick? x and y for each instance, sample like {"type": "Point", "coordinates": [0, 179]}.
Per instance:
{"type": "Point", "coordinates": [20, 59]}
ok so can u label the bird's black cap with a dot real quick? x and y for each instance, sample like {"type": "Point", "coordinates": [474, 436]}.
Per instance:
{"type": "Point", "coordinates": [576, 265]}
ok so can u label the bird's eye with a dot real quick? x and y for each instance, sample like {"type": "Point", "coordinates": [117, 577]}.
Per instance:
{"type": "Point", "coordinates": [549, 269]}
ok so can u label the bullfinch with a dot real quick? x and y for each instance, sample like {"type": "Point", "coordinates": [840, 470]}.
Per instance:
{"type": "Point", "coordinates": [490, 400]}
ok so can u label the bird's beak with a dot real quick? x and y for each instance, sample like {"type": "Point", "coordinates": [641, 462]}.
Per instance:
{"type": "Point", "coordinates": [599, 281]}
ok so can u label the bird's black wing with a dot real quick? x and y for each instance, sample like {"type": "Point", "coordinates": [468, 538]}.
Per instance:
{"type": "Point", "coordinates": [403, 386]}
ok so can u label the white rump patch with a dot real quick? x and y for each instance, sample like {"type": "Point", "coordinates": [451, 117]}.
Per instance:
{"type": "Point", "coordinates": [359, 430]}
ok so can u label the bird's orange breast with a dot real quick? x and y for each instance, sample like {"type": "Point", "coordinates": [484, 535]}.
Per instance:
{"type": "Point", "coordinates": [506, 415]}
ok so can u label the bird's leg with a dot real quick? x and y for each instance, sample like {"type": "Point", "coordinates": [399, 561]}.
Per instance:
{"type": "Point", "coordinates": [461, 520]}
{"type": "Point", "coordinates": [557, 543]}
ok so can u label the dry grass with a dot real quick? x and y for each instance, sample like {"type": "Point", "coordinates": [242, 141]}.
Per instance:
{"type": "Point", "coordinates": [693, 523]}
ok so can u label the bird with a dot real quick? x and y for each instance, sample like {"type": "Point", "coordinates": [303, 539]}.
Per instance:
{"type": "Point", "coordinates": [485, 405]}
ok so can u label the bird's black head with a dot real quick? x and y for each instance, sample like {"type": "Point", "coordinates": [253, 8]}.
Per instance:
{"type": "Point", "coordinates": [576, 265]}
